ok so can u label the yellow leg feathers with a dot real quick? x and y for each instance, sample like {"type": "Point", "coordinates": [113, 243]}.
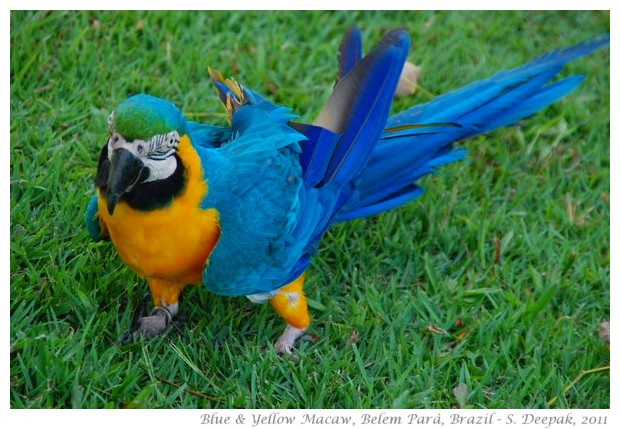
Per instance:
{"type": "Point", "coordinates": [165, 293]}
{"type": "Point", "coordinates": [290, 304]}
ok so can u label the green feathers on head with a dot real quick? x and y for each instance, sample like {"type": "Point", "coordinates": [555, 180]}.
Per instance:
{"type": "Point", "coordinates": [143, 116]}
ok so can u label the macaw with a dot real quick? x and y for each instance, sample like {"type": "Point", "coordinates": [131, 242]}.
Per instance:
{"type": "Point", "coordinates": [241, 208]}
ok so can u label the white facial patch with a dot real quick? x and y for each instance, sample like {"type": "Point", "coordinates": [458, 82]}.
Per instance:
{"type": "Point", "coordinates": [157, 154]}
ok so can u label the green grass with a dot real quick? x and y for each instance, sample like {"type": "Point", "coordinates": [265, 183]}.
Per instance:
{"type": "Point", "coordinates": [497, 277]}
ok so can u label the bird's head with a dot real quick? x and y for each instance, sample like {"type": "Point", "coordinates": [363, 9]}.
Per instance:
{"type": "Point", "coordinates": [144, 134]}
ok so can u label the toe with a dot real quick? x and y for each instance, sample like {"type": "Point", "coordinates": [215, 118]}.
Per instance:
{"type": "Point", "coordinates": [286, 342]}
{"type": "Point", "coordinates": [282, 348]}
{"type": "Point", "coordinates": [152, 325]}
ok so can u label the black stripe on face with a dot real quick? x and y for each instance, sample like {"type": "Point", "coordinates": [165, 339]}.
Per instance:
{"type": "Point", "coordinates": [158, 193]}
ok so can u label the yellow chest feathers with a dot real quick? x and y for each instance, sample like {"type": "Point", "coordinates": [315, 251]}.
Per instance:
{"type": "Point", "coordinates": [170, 243]}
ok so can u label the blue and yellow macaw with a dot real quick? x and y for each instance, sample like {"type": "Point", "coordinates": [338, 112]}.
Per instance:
{"type": "Point", "coordinates": [241, 208]}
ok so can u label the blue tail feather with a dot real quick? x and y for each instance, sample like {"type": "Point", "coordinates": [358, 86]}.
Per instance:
{"type": "Point", "coordinates": [349, 51]}
{"type": "Point", "coordinates": [547, 95]}
{"type": "Point", "coordinates": [315, 152]}
{"type": "Point", "coordinates": [403, 156]}
{"type": "Point", "coordinates": [360, 105]}
{"type": "Point", "coordinates": [391, 201]}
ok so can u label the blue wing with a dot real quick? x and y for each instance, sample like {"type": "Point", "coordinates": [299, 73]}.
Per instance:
{"type": "Point", "coordinates": [277, 185]}
{"type": "Point", "coordinates": [253, 182]}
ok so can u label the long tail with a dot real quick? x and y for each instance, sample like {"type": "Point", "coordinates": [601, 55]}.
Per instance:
{"type": "Point", "coordinates": [419, 139]}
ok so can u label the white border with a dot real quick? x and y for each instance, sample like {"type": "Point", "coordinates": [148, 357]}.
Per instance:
{"type": "Point", "coordinates": [183, 418]}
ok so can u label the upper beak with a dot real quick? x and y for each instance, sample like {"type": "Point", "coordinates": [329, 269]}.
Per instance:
{"type": "Point", "coordinates": [125, 172]}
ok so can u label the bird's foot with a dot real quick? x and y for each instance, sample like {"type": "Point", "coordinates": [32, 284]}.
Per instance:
{"type": "Point", "coordinates": [286, 342]}
{"type": "Point", "coordinates": [149, 326]}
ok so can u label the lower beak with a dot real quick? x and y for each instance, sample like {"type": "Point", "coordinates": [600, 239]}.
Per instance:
{"type": "Point", "coordinates": [126, 171]}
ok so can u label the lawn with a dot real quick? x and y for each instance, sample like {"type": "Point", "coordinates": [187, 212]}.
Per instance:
{"type": "Point", "coordinates": [496, 278]}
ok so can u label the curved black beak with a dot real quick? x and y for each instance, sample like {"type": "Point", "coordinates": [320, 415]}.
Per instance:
{"type": "Point", "coordinates": [126, 171]}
